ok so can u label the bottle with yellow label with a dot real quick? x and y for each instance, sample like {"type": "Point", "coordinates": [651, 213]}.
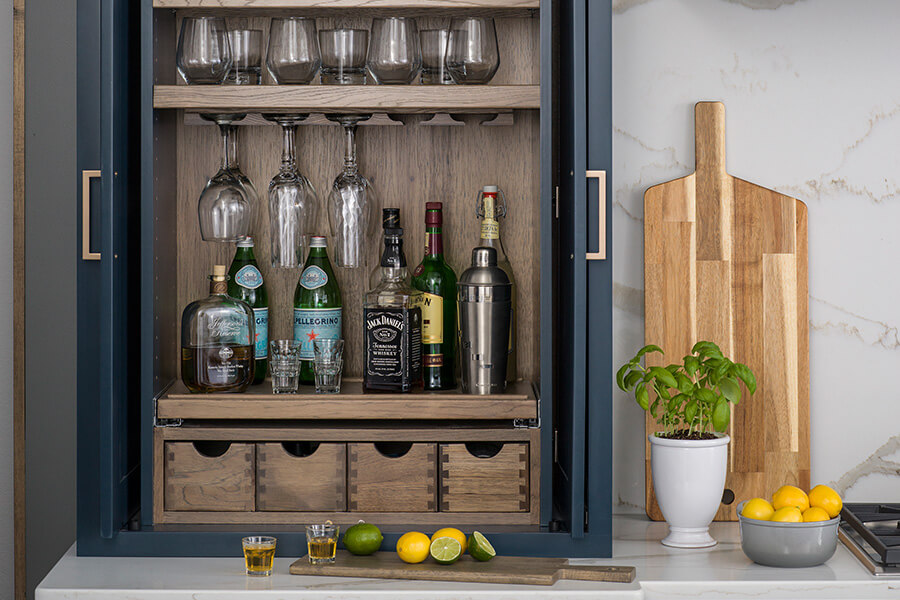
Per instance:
{"type": "Point", "coordinates": [437, 280]}
{"type": "Point", "coordinates": [491, 208]}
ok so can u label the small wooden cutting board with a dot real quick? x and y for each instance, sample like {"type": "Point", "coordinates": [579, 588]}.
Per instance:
{"type": "Point", "coordinates": [501, 569]}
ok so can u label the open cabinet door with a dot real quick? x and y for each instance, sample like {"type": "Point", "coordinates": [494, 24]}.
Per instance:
{"type": "Point", "coordinates": [582, 407]}
{"type": "Point", "coordinates": [108, 290]}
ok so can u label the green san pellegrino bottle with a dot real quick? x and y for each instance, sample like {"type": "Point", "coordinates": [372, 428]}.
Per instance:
{"type": "Point", "coordinates": [437, 280]}
{"type": "Point", "coordinates": [317, 305]}
{"type": "Point", "coordinates": [245, 282]}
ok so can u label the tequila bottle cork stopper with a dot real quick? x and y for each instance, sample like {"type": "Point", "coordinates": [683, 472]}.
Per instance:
{"type": "Point", "coordinates": [219, 272]}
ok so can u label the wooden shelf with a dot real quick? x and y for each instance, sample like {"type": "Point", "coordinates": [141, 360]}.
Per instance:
{"type": "Point", "coordinates": [348, 99]}
{"type": "Point", "coordinates": [518, 402]}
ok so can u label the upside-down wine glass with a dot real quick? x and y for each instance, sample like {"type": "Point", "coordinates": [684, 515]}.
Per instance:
{"type": "Point", "coordinates": [293, 204]}
{"type": "Point", "coordinates": [351, 203]}
{"type": "Point", "coordinates": [226, 205]}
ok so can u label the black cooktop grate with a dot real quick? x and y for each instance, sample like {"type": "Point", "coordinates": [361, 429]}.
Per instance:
{"type": "Point", "coordinates": [879, 526]}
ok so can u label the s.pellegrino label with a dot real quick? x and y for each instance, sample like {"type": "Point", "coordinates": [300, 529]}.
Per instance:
{"type": "Point", "coordinates": [311, 324]}
{"type": "Point", "coordinates": [261, 316]}
{"type": "Point", "coordinates": [393, 345]}
{"type": "Point", "coordinates": [313, 277]}
{"type": "Point", "coordinates": [249, 277]}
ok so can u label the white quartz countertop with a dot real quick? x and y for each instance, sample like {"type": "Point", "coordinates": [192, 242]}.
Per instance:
{"type": "Point", "coordinates": [718, 572]}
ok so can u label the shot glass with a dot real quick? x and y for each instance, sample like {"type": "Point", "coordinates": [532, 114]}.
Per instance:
{"type": "Point", "coordinates": [259, 555]}
{"type": "Point", "coordinates": [246, 57]}
{"type": "Point", "coordinates": [327, 365]}
{"type": "Point", "coordinates": [284, 366]}
{"type": "Point", "coordinates": [321, 542]}
{"type": "Point", "coordinates": [434, 53]}
{"type": "Point", "coordinates": [343, 55]}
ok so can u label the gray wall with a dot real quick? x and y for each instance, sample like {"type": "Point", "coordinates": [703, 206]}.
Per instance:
{"type": "Point", "coordinates": [51, 206]}
{"type": "Point", "coordinates": [6, 308]}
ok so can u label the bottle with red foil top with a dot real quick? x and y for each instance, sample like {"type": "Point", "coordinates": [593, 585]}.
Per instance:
{"type": "Point", "coordinates": [436, 279]}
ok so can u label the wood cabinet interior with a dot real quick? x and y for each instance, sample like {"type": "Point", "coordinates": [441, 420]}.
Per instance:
{"type": "Point", "coordinates": [407, 165]}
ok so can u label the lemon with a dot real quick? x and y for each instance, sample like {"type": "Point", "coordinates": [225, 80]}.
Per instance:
{"type": "Point", "coordinates": [788, 514]}
{"type": "Point", "coordinates": [413, 546]}
{"type": "Point", "coordinates": [814, 513]}
{"type": "Point", "coordinates": [790, 495]}
{"type": "Point", "coordinates": [445, 550]}
{"type": "Point", "coordinates": [758, 508]}
{"type": "Point", "coordinates": [480, 548]}
{"type": "Point", "coordinates": [363, 539]}
{"type": "Point", "coordinates": [456, 534]}
{"type": "Point", "coordinates": [827, 499]}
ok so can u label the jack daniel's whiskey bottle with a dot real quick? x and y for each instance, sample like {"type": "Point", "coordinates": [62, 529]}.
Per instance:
{"type": "Point", "coordinates": [392, 325]}
{"type": "Point", "coordinates": [217, 336]}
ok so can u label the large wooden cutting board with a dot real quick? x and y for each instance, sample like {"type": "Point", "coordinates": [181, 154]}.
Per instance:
{"type": "Point", "coordinates": [500, 569]}
{"type": "Point", "coordinates": [726, 261]}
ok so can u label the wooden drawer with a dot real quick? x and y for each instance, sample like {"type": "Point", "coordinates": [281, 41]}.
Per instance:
{"type": "Point", "coordinates": [301, 476]}
{"type": "Point", "coordinates": [475, 479]}
{"type": "Point", "coordinates": [393, 477]}
{"type": "Point", "coordinates": [209, 476]}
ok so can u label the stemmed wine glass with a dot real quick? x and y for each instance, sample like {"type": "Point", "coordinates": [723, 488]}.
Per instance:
{"type": "Point", "coordinates": [352, 202]}
{"type": "Point", "coordinates": [293, 204]}
{"type": "Point", "coordinates": [227, 203]}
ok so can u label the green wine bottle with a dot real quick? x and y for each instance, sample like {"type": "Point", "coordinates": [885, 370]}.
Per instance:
{"type": "Point", "coordinates": [317, 306]}
{"type": "Point", "coordinates": [245, 282]}
{"type": "Point", "coordinates": [437, 280]}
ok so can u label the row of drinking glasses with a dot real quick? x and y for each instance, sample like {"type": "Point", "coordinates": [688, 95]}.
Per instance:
{"type": "Point", "coordinates": [395, 53]}
{"type": "Point", "coordinates": [229, 201]}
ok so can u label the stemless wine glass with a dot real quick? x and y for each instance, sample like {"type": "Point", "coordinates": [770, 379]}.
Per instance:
{"type": "Point", "coordinates": [293, 53]}
{"type": "Point", "coordinates": [394, 53]}
{"type": "Point", "coordinates": [351, 202]}
{"type": "Point", "coordinates": [434, 52]}
{"type": "Point", "coordinates": [293, 204]}
{"type": "Point", "coordinates": [204, 52]}
{"type": "Point", "coordinates": [343, 55]}
{"type": "Point", "coordinates": [472, 52]}
{"type": "Point", "coordinates": [246, 55]}
{"type": "Point", "coordinates": [225, 208]}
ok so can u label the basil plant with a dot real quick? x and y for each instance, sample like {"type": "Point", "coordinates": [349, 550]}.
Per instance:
{"type": "Point", "coordinates": [689, 398]}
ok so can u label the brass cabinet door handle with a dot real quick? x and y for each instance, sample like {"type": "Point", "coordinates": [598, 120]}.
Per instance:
{"type": "Point", "coordinates": [86, 253]}
{"type": "Point", "coordinates": [601, 210]}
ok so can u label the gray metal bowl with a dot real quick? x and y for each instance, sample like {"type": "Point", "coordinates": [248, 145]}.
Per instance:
{"type": "Point", "coordinates": [777, 544]}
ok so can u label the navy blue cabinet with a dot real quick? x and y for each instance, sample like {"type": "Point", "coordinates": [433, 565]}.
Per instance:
{"type": "Point", "coordinates": [126, 297]}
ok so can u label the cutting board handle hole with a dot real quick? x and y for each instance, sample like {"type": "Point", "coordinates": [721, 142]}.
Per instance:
{"type": "Point", "coordinates": [300, 449]}
{"type": "Point", "coordinates": [484, 449]}
{"type": "Point", "coordinates": [211, 448]}
{"type": "Point", "coordinates": [393, 449]}
{"type": "Point", "coordinates": [727, 496]}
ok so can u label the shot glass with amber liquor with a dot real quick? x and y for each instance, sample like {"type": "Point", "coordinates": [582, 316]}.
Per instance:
{"type": "Point", "coordinates": [259, 554]}
{"type": "Point", "coordinates": [321, 541]}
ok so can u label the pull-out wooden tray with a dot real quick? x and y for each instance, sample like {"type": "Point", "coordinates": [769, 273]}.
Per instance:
{"type": "Point", "coordinates": [518, 402]}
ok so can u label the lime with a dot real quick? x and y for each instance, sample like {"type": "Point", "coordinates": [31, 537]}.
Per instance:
{"type": "Point", "coordinates": [363, 539]}
{"type": "Point", "coordinates": [413, 546]}
{"type": "Point", "coordinates": [480, 548]}
{"type": "Point", "coordinates": [445, 550]}
{"type": "Point", "coordinates": [456, 534]}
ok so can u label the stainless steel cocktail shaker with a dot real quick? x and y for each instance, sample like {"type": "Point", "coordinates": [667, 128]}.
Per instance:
{"type": "Point", "coordinates": [484, 293]}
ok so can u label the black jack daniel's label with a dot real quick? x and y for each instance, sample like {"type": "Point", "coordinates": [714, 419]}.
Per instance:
{"type": "Point", "coordinates": [393, 348]}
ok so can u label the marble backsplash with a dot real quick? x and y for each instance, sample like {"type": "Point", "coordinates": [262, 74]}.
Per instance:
{"type": "Point", "coordinates": [812, 96]}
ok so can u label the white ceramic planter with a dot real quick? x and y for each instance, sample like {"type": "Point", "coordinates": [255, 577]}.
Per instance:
{"type": "Point", "coordinates": [688, 480]}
